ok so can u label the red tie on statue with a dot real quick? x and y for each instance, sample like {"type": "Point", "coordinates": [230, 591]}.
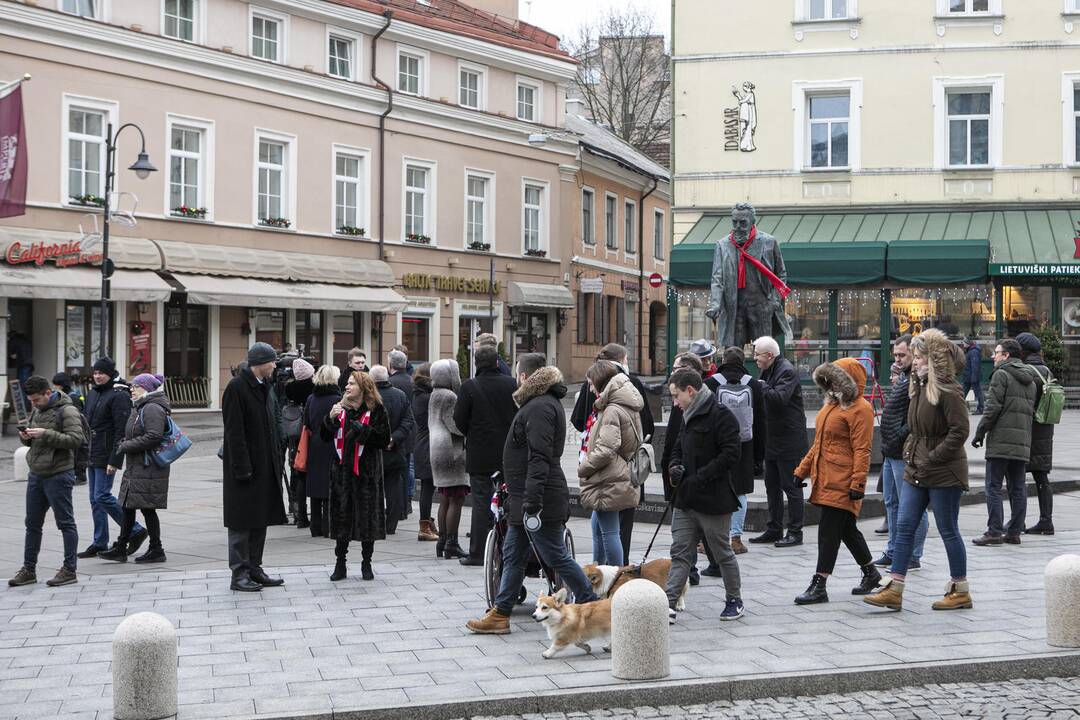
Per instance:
{"type": "Point", "coordinates": [744, 257]}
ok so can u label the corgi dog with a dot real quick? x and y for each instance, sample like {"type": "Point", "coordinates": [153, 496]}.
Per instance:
{"type": "Point", "coordinates": [606, 579]}
{"type": "Point", "coordinates": [569, 624]}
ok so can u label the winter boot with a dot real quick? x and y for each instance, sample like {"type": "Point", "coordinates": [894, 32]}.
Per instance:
{"type": "Point", "coordinates": [365, 567]}
{"type": "Point", "coordinates": [427, 531]}
{"type": "Point", "coordinates": [815, 593]}
{"type": "Point", "coordinates": [957, 596]}
{"type": "Point", "coordinates": [453, 550]}
{"type": "Point", "coordinates": [341, 550]}
{"type": "Point", "coordinates": [870, 579]}
{"type": "Point", "coordinates": [302, 520]}
{"type": "Point", "coordinates": [440, 546]}
{"type": "Point", "coordinates": [493, 623]}
{"type": "Point", "coordinates": [153, 555]}
{"type": "Point", "coordinates": [118, 552]}
{"type": "Point", "coordinates": [890, 594]}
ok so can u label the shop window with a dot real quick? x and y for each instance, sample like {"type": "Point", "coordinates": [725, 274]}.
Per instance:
{"type": "Point", "coordinates": [599, 310]}
{"type": "Point", "coordinates": [309, 335]}
{"type": "Point", "coordinates": [532, 334]}
{"type": "Point", "coordinates": [415, 335]}
{"type": "Point", "coordinates": [1025, 309]}
{"type": "Point", "coordinates": [82, 338]}
{"type": "Point", "coordinates": [348, 333]}
{"type": "Point", "coordinates": [178, 19]}
{"type": "Point", "coordinates": [1070, 332]}
{"type": "Point", "coordinates": [468, 329]}
{"type": "Point", "coordinates": [809, 314]}
{"type": "Point", "coordinates": [959, 312]}
{"type": "Point", "coordinates": [692, 322]}
{"type": "Point", "coordinates": [186, 333]}
{"type": "Point", "coordinates": [270, 328]}
{"type": "Point", "coordinates": [859, 323]}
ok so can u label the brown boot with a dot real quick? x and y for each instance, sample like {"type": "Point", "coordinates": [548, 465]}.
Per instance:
{"type": "Point", "coordinates": [427, 531]}
{"type": "Point", "coordinates": [737, 546]}
{"type": "Point", "coordinates": [890, 594]}
{"type": "Point", "coordinates": [493, 623]}
{"type": "Point", "coordinates": [957, 596]}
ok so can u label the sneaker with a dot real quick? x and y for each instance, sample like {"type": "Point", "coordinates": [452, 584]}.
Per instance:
{"type": "Point", "coordinates": [136, 541]}
{"type": "Point", "coordinates": [733, 610]}
{"type": "Point", "coordinates": [713, 571]}
{"type": "Point", "coordinates": [493, 623]}
{"type": "Point", "coordinates": [671, 615]}
{"type": "Point", "coordinates": [914, 564]}
{"type": "Point", "coordinates": [90, 551]}
{"type": "Point", "coordinates": [25, 576]}
{"type": "Point", "coordinates": [63, 577]}
{"type": "Point", "coordinates": [1040, 528]}
{"type": "Point", "coordinates": [883, 561]}
{"type": "Point", "coordinates": [118, 552]}
{"type": "Point", "coordinates": [882, 529]}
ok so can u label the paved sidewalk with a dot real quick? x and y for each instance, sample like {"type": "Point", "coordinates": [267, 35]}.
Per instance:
{"type": "Point", "coordinates": [317, 646]}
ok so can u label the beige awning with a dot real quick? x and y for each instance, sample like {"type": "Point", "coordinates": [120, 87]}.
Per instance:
{"type": "Point", "coordinates": [209, 290]}
{"type": "Point", "coordinates": [521, 294]}
{"type": "Point", "coordinates": [126, 252]}
{"type": "Point", "coordinates": [80, 283]}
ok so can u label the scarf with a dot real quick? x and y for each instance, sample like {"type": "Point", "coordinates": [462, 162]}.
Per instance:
{"type": "Point", "coordinates": [744, 256]}
{"type": "Point", "coordinates": [339, 440]}
{"type": "Point", "coordinates": [584, 452]}
{"type": "Point", "coordinates": [701, 402]}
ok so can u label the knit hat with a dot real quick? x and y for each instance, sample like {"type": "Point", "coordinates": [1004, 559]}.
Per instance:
{"type": "Point", "coordinates": [105, 365]}
{"type": "Point", "coordinates": [62, 379]}
{"type": "Point", "coordinates": [302, 369]}
{"type": "Point", "coordinates": [1029, 343]}
{"type": "Point", "coordinates": [261, 353]}
{"type": "Point", "coordinates": [148, 382]}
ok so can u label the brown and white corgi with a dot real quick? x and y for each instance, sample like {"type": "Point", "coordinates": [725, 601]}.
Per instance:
{"type": "Point", "coordinates": [606, 579]}
{"type": "Point", "coordinates": [569, 624]}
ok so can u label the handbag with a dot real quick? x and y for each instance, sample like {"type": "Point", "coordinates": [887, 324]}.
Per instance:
{"type": "Point", "coordinates": [300, 461]}
{"type": "Point", "coordinates": [641, 462]}
{"type": "Point", "coordinates": [173, 445]}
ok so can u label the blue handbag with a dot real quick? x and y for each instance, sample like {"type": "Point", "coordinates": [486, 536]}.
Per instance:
{"type": "Point", "coordinates": [173, 445]}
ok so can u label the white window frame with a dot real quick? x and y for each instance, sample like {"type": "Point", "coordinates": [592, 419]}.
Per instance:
{"type": "Point", "coordinates": [1072, 7]}
{"type": "Point", "coordinates": [802, 12]}
{"type": "Point", "coordinates": [198, 30]}
{"type": "Point", "coordinates": [357, 52]}
{"type": "Point", "coordinates": [543, 237]}
{"type": "Point", "coordinates": [611, 228]}
{"type": "Point", "coordinates": [111, 109]}
{"type": "Point", "coordinates": [102, 10]}
{"type": "Point", "coordinates": [489, 207]}
{"type": "Point", "coordinates": [1069, 117]}
{"type": "Point", "coordinates": [430, 196]}
{"type": "Point", "coordinates": [538, 98]}
{"type": "Point", "coordinates": [424, 63]}
{"type": "Point", "coordinates": [283, 37]}
{"type": "Point", "coordinates": [800, 104]}
{"type": "Point", "coordinates": [941, 86]}
{"type": "Point", "coordinates": [206, 161]}
{"type": "Point", "coordinates": [994, 9]}
{"type": "Point", "coordinates": [363, 197]}
{"type": "Point", "coordinates": [659, 221]}
{"type": "Point", "coordinates": [481, 85]}
{"type": "Point", "coordinates": [585, 236]}
{"type": "Point", "coordinates": [290, 171]}
{"type": "Point", "coordinates": [630, 226]}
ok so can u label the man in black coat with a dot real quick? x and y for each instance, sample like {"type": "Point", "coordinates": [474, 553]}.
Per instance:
{"type": "Point", "coordinates": [537, 488]}
{"type": "Point", "coordinates": [252, 469]}
{"type": "Point", "coordinates": [1041, 461]}
{"type": "Point", "coordinates": [357, 362]}
{"type": "Point", "coordinates": [786, 443]}
{"type": "Point", "coordinates": [401, 378]}
{"type": "Point", "coordinates": [108, 405]}
{"type": "Point", "coordinates": [396, 455]}
{"type": "Point", "coordinates": [484, 411]}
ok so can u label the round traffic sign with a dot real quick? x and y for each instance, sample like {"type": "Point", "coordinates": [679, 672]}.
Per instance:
{"type": "Point", "coordinates": [656, 280]}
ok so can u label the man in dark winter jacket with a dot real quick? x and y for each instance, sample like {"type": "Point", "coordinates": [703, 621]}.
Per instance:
{"type": "Point", "coordinates": [1010, 410]}
{"type": "Point", "coordinates": [707, 450]}
{"type": "Point", "coordinates": [489, 340]}
{"type": "Point", "coordinates": [401, 378]}
{"type": "Point", "coordinates": [396, 455]}
{"type": "Point", "coordinates": [537, 488]}
{"type": "Point", "coordinates": [53, 434]}
{"type": "Point", "coordinates": [252, 468]}
{"type": "Point", "coordinates": [357, 362]}
{"type": "Point", "coordinates": [973, 373]}
{"type": "Point", "coordinates": [484, 411]}
{"type": "Point", "coordinates": [786, 443]}
{"type": "Point", "coordinates": [108, 405]}
{"type": "Point", "coordinates": [1041, 461]}
{"type": "Point", "coordinates": [894, 433]}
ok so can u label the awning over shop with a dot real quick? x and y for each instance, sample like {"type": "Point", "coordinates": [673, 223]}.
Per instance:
{"type": "Point", "coordinates": [521, 294]}
{"type": "Point", "coordinates": [1036, 243]}
{"type": "Point", "coordinates": [209, 290]}
{"type": "Point", "coordinates": [80, 283]}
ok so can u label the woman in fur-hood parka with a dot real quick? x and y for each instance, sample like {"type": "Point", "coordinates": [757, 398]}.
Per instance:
{"type": "Point", "coordinates": [937, 416]}
{"type": "Point", "coordinates": [446, 444]}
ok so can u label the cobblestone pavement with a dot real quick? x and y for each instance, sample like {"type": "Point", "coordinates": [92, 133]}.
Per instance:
{"type": "Point", "coordinates": [1021, 699]}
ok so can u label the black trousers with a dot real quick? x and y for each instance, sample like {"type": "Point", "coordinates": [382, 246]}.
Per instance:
{"type": "Point", "coordinates": [838, 526]}
{"type": "Point", "coordinates": [1046, 496]}
{"type": "Point", "coordinates": [780, 483]}
{"type": "Point", "coordinates": [153, 526]}
{"type": "Point", "coordinates": [394, 469]}
{"type": "Point", "coordinates": [246, 551]}
{"type": "Point", "coordinates": [626, 527]}
{"type": "Point", "coordinates": [427, 493]}
{"type": "Point", "coordinates": [481, 489]}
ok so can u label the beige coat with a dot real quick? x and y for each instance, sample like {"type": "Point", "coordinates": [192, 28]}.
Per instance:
{"type": "Point", "coordinates": [605, 474]}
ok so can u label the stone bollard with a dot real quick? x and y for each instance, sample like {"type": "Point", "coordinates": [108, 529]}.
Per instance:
{"type": "Point", "coordinates": [22, 469]}
{"type": "Point", "coordinates": [144, 668]}
{"type": "Point", "coordinates": [1062, 609]}
{"type": "Point", "coordinates": [640, 634]}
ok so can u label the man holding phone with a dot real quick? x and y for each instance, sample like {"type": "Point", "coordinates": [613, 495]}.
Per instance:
{"type": "Point", "coordinates": [53, 434]}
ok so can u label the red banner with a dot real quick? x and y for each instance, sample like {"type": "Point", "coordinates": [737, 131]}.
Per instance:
{"type": "Point", "coordinates": [12, 154]}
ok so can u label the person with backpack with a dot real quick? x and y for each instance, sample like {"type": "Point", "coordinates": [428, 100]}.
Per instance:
{"type": "Point", "coordinates": [62, 383]}
{"type": "Point", "coordinates": [973, 373]}
{"type": "Point", "coordinates": [297, 393]}
{"type": "Point", "coordinates": [837, 466]}
{"type": "Point", "coordinates": [741, 394]}
{"type": "Point", "coordinates": [1041, 461]}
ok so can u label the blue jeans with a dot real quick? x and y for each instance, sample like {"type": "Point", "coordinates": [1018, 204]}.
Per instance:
{"type": "Point", "coordinates": [892, 477]}
{"type": "Point", "coordinates": [1014, 473]}
{"type": "Point", "coordinates": [548, 541]}
{"type": "Point", "coordinates": [606, 538]}
{"type": "Point", "coordinates": [103, 505]}
{"type": "Point", "coordinates": [738, 518]}
{"type": "Point", "coordinates": [946, 505]}
{"type": "Point", "coordinates": [980, 399]}
{"type": "Point", "coordinates": [42, 493]}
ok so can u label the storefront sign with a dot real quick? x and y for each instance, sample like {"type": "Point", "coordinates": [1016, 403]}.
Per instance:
{"type": "Point", "coordinates": [1037, 269]}
{"type": "Point", "coordinates": [630, 290]}
{"type": "Point", "coordinates": [591, 286]}
{"type": "Point", "coordinates": [61, 254]}
{"type": "Point", "coordinates": [139, 347]}
{"type": "Point", "coordinates": [422, 281]}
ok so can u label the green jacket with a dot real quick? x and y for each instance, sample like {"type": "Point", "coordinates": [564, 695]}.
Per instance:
{"type": "Point", "coordinates": [54, 452]}
{"type": "Point", "coordinates": [1010, 408]}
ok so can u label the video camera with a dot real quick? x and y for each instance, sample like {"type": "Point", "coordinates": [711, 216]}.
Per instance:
{"type": "Point", "coordinates": [283, 370]}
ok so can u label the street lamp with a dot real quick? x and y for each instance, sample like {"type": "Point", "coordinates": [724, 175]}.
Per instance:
{"type": "Point", "coordinates": [142, 167]}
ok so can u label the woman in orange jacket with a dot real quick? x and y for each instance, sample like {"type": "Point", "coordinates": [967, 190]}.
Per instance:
{"type": "Point", "coordinates": [837, 465]}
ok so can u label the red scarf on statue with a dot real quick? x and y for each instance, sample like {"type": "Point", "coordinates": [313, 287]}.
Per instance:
{"type": "Point", "coordinates": [339, 441]}
{"type": "Point", "coordinates": [744, 256]}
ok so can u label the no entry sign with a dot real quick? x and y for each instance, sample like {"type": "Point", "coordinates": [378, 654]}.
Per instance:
{"type": "Point", "coordinates": [656, 280]}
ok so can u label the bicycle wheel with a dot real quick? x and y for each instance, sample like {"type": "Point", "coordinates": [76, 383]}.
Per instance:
{"type": "Point", "coordinates": [492, 567]}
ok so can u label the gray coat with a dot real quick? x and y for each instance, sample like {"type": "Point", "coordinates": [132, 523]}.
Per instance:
{"type": "Point", "coordinates": [724, 286]}
{"type": "Point", "coordinates": [145, 486]}
{"type": "Point", "coordinates": [445, 440]}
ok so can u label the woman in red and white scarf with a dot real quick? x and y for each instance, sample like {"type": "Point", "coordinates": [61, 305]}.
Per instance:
{"type": "Point", "coordinates": [358, 428]}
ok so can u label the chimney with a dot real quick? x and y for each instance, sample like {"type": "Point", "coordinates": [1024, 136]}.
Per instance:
{"type": "Point", "coordinates": [575, 106]}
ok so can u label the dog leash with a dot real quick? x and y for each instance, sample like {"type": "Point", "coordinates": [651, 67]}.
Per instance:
{"type": "Point", "coordinates": [667, 507]}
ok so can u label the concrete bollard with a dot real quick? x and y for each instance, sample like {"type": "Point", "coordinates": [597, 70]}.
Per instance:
{"type": "Point", "coordinates": [1062, 609]}
{"type": "Point", "coordinates": [22, 468]}
{"type": "Point", "coordinates": [144, 668]}
{"type": "Point", "coordinates": [640, 634]}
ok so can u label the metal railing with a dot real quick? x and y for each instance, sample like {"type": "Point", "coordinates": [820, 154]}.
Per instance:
{"type": "Point", "coordinates": [185, 392]}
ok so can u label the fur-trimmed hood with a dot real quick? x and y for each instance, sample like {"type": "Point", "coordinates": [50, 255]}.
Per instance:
{"type": "Point", "coordinates": [547, 379]}
{"type": "Point", "coordinates": [841, 381]}
{"type": "Point", "coordinates": [446, 374]}
{"type": "Point", "coordinates": [943, 364]}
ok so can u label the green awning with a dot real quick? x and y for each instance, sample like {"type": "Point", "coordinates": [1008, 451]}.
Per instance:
{"type": "Point", "coordinates": [834, 264]}
{"type": "Point", "coordinates": [938, 262]}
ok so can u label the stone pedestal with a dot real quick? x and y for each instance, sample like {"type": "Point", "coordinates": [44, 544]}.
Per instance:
{"type": "Point", "coordinates": [22, 470]}
{"type": "Point", "coordinates": [144, 668]}
{"type": "Point", "coordinates": [640, 634]}
{"type": "Point", "coordinates": [1062, 606]}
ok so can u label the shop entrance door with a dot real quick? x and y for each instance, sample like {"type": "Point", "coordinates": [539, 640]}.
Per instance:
{"type": "Point", "coordinates": [531, 336]}
{"type": "Point", "coordinates": [20, 340]}
{"type": "Point", "coordinates": [187, 332]}
{"type": "Point", "coordinates": [468, 329]}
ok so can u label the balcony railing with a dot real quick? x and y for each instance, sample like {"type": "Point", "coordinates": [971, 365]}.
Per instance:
{"type": "Point", "coordinates": [185, 392]}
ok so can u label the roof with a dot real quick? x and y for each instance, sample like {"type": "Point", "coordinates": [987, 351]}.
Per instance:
{"type": "Point", "coordinates": [604, 142]}
{"type": "Point", "coordinates": [457, 17]}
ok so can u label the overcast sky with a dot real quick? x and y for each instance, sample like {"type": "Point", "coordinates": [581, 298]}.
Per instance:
{"type": "Point", "coordinates": [564, 17]}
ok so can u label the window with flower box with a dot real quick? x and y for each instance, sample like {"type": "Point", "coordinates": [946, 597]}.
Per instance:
{"type": "Point", "coordinates": [187, 170]}
{"type": "Point", "coordinates": [350, 194]}
{"type": "Point", "coordinates": [85, 121]}
{"type": "Point", "coordinates": [418, 201]}
{"type": "Point", "coordinates": [534, 220]}
{"type": "Point", "coordinates": [275, 179]}
{"type": "Point", "coordinates": [479, 209]}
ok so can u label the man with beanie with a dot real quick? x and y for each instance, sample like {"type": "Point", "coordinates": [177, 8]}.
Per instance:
{"type": "Point", "coordinates": [251, 486]}
{"type": "Point", "coordinates": [53, 434]}
{"type": "Point", "coordinates": [108, 405]}
{"type": "Point", "coordinates": [401, 378]}
{"type": "Point", "coordinates": [1042, 439]}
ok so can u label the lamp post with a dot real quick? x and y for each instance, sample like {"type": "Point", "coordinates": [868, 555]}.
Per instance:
{"type": "Point", "coordinates": [142, 167]}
